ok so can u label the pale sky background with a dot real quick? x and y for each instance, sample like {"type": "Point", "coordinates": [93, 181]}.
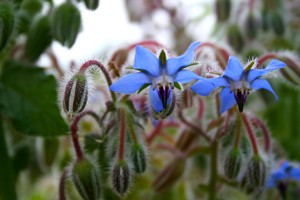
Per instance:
{"type": "Point", "coordinates": [108, 28]}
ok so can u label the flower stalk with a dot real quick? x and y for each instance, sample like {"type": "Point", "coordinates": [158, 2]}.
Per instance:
{"type": "Point", "coordinates": [122, 135]}
{"type": "Point", "coordinates": [250, 134]}
{"type": "Point", "coordinates": [90, 63]}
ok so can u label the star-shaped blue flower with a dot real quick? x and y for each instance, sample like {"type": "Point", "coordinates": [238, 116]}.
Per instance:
{"type": "Point", "coordinates": [237, 83]}
{"type": "Point", "coordinates": [285, 173]}
{"type": "Point", "coordinates": [160, 73]}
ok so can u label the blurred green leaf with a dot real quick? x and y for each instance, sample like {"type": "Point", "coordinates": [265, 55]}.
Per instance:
{"type": "Point", "coordinates": [284, 118]}
{"type": "Point", "coordinates": [51, 146]}
{"type": "Point", "coordinates": [7, 23]}
{"type": "Point", "coordinates": [7, 187]}
{"type": "Point", "coordinates": [28, 97]}
{"type": "Point", "coordinates": [91, 4]}
{"type": "Point", "coordinates": [39, 38]}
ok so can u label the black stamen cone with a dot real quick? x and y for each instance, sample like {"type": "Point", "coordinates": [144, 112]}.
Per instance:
{"type": "Point", "coordinates": [240, 99]}
{"type": "Point", "coordinates": [164, 95]}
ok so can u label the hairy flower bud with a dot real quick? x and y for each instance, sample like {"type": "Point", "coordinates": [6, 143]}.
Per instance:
{"type": "Point", "coordinates": [254, 178]}
{"type": "Point", "coordinates": [66, 23]}
{"type": "Point", "coordinates": [86, 178]}
{"type": "Point", "coordinates": [121, 177]}
{"type": "Point", "coordinates": [223, 8]}
{"type": "Point", "coordinates": [139, 158]}
{"type": "Point", "coordinates": [235, 37]}
{"type": "Point", "coordinates": [232, 164]}
{"type": "Point", "coordinates": [75, 94]}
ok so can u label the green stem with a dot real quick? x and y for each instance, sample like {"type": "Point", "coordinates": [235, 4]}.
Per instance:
{"type": "Point", "coordinates": [7, 178]}
{"type": "Point", "coordinates": [213, 170]}
{"type": "Point", "coordinates": [250, 134]}
{"type": "Point", "coordinates": [131, 129]}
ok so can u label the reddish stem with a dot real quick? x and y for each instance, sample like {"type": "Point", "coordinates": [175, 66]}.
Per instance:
{"type": "Point", "coordinates": [62, 193]}
{"type": "Point", "coordinates": [145, 43]}
{"type": "Point", "coordinates": [74, 129]}
{"type": "Point", "coordinates": [265, 131]}
{"type": "Point", "coordinates": [156, 131]}
{"type": "Point", "coordinates": [264, 58]}
{"type": "Point", "coordinates": [122, 134]}
{"type": "Point", "coordinates": [200, 108]}
{"type": "Point", "coordinates": [104, 71]}
{"type": "Point", "coordinates": [250, 134]}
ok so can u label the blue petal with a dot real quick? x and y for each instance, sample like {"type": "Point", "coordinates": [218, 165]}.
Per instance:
{"type": "Point", "coordinates": [258, 84]}
{"type": "Point", "coordinates": [155, 100]}
{"type": "Point", "coordinates": [234, 69]}
{"type": "Point", "coordinates": [256, 73]}
{"type": "Point", "coordinates": [130, 83]}
{"type": "Point", "coordinates": [185, 76]}
{"type": "Point", "coordinates": [275, 177]}
{"type": "Point", "coordinates": [295, 174]}
{"type": "Point", "coordinates": [227, 99]}
{"type": "Point", "coordinates": [145, 60]}
{"type": "Point", "coordinates": [175, 64]}
{"type": "Point", "coordinates": [205, 86]}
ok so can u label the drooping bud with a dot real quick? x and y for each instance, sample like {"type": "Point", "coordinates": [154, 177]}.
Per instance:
{"type": "Point", "coordinates": [223, 8]}
{"type": "Point", "coordinates": [86, 178]}
{"type": "Point", "coordinates": [66, 24]}
{"type": "Point", "coordinates": [235, 37]}
{"type": "Point", "coordinates": [91, 4]}
{"type": "Point", "coordinates": [39, 38]}
{"type": "Point", "coordinates": [265, 20]}
{"type": "Point", "coordinates": [277, 23]}
{"type": "Point", "coordinates": [121, 177]}
{"type": "Point", "coordinates": [232, 163]}
{"type": "Point", "coordinates": [7, 23]}
{"type": "Point", "coordinates": [32, 7]}
{"type": "Point", "coordinates": [254, 178]}
{"type": "Point", "coordinates": [75, 94]}
{"type": "Point", "coordinates": [91, 142]}
{"type": "Point", "coordinates": [139, 158]}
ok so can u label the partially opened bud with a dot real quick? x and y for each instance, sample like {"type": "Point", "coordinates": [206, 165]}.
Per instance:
{"type": "Point", "coordinates": [86, 178]}
{"type": "Point", "coordinates": [254, 178]}
{"type": "Point", "coordinates": [139, 158]}
{"type": "Point", "coordinates": [75, 94]}
{"type": "Point", "coordinates": [121, 177]}
{"type": "Point", "coordinates": [232, 164]}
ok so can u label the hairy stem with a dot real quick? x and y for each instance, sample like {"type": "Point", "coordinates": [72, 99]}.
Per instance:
{"type": "Point", "coordinates": [213, 170]}
{"type": "Point", "coordinates": [238, 134]}
{"type": "Point", "coordinates": [122, 134]}
{"type": "Point", "coordinates": [74, 129]}
{"type": "Point", "coordinates": [61, 192]}
{"type": "Point", "coordinates": [104, 71]}
{"type": "Point", "coordinates": [250, 134]}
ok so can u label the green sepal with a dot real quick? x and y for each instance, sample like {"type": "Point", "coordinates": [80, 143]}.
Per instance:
{"type": "Point", "coordinates": [177, 85]}
{"type": "Point", "coordinates": [163, 57]}
{"type": "Point", "coordinates": [143, 87]}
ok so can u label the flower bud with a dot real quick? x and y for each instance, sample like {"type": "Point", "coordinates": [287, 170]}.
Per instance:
{"type": "Point", "coordinates": [86, 178]}
{"type": "Point", "coordinates": [121, 177]}
{"type": "Point", "coordinates": [232, 164]}
{"type": "Point", "coordinates": [32, 7]}
{"type": "Point", "coordinates": [252, 26]}
{"type": "Point", "coordinates": [66, 24]}
{"type": "Point", "coordinates": [235, 37]}
{"type": "Point", "coordinates": [223, 8]}
{"type": "Point", "coordinates": [254, 178]}
{"type": "Point", "coordinates": [39, 38]}
{"type": "Point", "coordinates": [91, 4]}
{"type": "Point", "coordinates": [277, 23]}
{"type": "Point", "coordinates": [7, 23]}
{"type": "Point", "coordinates": [139, 158]}
{"type": "Point", "coordinates": [75, 94]}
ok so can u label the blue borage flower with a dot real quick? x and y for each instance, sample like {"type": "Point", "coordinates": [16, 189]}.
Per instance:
{"type": "Point", "coordinates": [237, 82]}
{"type": "Point", "coordinates": [160, 73]}
{"type": "Point", "coordinates": [286, 172]}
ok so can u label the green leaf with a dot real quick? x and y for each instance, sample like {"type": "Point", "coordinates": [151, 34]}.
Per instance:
{"type": "Point", "coordinates": [143, 87]}
{"type": "Point", "coordinates": [28, 97]}
{"type": "Point", "coordinates": [7, 23]}
{"type": "Point", "coordinates": [7, 183]}
{"type": "Point", "coordinates": [177, 85]}
{"type": "Point", "coordinates": [66, 23]}
{"type": "Point", "coordinates": [39, 38]}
